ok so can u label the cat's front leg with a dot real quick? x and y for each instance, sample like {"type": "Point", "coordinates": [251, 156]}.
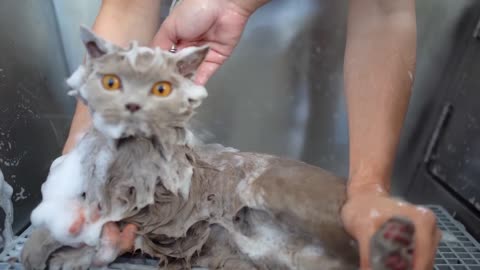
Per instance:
{"type": "Point", "coordinates": [83, 216]}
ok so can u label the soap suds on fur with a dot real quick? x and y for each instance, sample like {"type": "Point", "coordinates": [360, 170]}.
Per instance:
{"type": "Point", "coordinates": [113, 131]}
{"type": "Point", "coordinates": [244, 188]}
{"type": "Point", "coordinates": [6, 204]}
{"type": "Point", "coordinates": [267, 243]}
{"type": "Point", "coordinates": [62, 199]}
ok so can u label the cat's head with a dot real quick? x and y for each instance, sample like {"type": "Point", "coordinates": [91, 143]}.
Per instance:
{"type": "Point", "coordinates": [137, 91]}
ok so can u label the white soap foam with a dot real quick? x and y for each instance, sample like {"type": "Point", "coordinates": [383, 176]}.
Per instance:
{"type": "Point", "coordinates": [448, 237]}
{"type": "Point", "coordinates": [272, 243]}
{"type": "Point", "coordinates": [6, 204]}
{"type": "Point", "coordinates": [60, 196]}
{"type": "Point", "coordinates": [111, 130]}
{"type": "Point", "coordinates": [62, 200]}
{"type": "Point", "coordinates": [77, 78]}
{"type": "Point", "coordinates": [268, 242]}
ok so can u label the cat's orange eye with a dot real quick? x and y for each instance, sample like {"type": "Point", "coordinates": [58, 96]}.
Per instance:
{"type": "Point", "coordinates": [111, 82]}
{"type": "Point", "coordinates": [162, 89]}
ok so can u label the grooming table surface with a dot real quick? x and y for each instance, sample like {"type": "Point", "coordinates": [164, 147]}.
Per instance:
{"type": "Point", "coordinates": [458, 251]}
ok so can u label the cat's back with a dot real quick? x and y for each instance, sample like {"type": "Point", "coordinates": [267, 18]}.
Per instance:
{"type": "Point", "coordinates": [302, 198]}
{"type": "Point", "coordinates": [259, 180]}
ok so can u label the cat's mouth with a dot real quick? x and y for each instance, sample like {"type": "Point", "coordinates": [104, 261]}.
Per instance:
{"type": "Point", "coordinates": [187, 111]}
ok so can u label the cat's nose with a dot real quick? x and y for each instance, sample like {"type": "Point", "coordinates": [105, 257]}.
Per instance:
{"type": "Point", "coordinates": [132, 107]}
{"type": "Point", "coordinates": [193, 102]}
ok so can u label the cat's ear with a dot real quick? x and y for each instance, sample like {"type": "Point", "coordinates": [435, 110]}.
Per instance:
{"type": "Point", "coordinates": [189, 59]}
{"type": "Point", "coordinates": [95, 45]}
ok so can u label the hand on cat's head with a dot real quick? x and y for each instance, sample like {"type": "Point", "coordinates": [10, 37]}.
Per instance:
{"type": "Point", "coordinates": [137, 90]}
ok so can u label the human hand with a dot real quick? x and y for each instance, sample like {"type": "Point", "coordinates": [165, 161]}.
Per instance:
{"type": "Point", "coordinates": [217, 23]}
{"type": "Point", "coordinates": [366, 210]}
{"type": "Point", "coordinates": [114, 241]}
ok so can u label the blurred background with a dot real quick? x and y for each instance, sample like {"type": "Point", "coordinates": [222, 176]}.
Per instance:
{"type": "Point", "coordinates": [280, 93]}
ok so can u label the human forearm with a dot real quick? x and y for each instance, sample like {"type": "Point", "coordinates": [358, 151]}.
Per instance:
{"type": "Point", "coordinates": [118, 21]}
{"type": "Point", "coordinates": [379, 67]}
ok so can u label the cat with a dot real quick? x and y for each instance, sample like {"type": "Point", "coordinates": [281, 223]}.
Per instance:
{"type": "Point", "coordinates": [191, 204]}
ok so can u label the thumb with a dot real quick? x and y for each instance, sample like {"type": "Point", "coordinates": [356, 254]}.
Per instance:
{"type": "Point", "coordinates": [166, 35]}
{"type": "Point", "coordinates": [364, 246]}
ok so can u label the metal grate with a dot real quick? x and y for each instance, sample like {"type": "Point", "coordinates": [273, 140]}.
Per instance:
{"type": "Point", "coordinates": [9, 257]}
{"type": "Point", "coordinates": [457, 251]}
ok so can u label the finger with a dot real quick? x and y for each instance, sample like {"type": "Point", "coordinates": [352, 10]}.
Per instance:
{"type": "Point", "coordinates": [433, 249]}
{"type": "Point", "coordinates": [108, 251]}
{"type": "Point", "coordinates": [364, 249]}
{"type": "Point", "coordinates": [438, 237]}
{"type": "Point", "coordinates": [110, 233]}
{"type": "Point", "coordinates": [127, 238]}
{"type": "Point", "coordinates": [205, 71]}
{"type": "Point", "coordinates": [425, 240]}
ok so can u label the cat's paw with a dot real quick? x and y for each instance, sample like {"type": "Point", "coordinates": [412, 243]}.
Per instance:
{"type": "Point", "coordinates": [114, 242]}
{"type": "Point", "coordinates": [72, 258]}
{"type": "Point", "coordinates": [392, 245]}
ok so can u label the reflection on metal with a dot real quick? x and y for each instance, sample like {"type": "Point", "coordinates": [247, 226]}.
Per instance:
{"type": "Point", "coordinates": [35, 111]}
{"type": "Point", "coordinates": [442, 122]}
{"type": "Point", "coordinates": [281, 91]}
{"type": "Point", "coordinates": [476, 32]}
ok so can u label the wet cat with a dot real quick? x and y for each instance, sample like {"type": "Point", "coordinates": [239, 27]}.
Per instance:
{"type": "Point", "coordinates": [190, 204]}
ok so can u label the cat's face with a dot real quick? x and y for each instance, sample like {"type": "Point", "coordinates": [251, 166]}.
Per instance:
{"type": "Point", "coordinates": [137, 90]}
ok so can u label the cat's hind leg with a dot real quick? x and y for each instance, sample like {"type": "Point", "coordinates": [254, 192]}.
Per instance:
{"type": "Point", "coordinates": [392, 245]}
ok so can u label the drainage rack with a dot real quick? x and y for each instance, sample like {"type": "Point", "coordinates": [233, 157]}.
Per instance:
{"type": "Point", "coordinates": [457, 251]}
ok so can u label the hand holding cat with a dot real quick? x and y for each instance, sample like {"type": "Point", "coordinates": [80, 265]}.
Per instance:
{"type": "Point", "coordinates": [366, 210]}
{"type": "Point", "coordinates": [196, 22]}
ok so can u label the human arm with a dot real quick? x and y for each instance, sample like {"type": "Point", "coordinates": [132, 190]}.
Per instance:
{"type": "Point", "coordinates": [379, 67]}
{"type": "Point", "coordinates": [218, 23]}
{"type": "Point", "coordinates": [118, 21]}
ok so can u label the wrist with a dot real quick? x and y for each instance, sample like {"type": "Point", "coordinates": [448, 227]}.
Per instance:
{"type": "Point", "coordinates": [81, 122]}
{"type": "Point", "coordinates": [356, 187]}
{"type": "Point", "coordinates": [248, 6]}
{"type": "Point", "coordinates": [369, 175]}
